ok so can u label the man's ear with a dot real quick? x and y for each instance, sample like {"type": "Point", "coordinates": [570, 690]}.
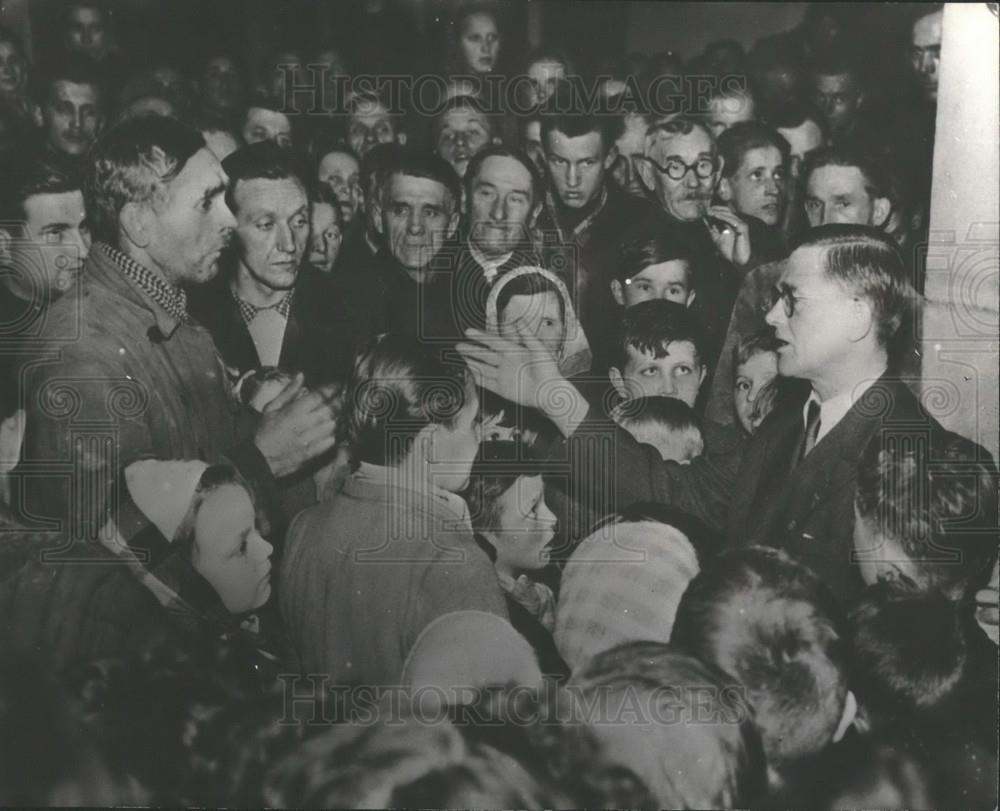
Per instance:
{"type": "Point", "coordinates": [377, 211]}
{"type": "Point", "coordinates": [718, 171]}
{"type": "Point", "coordinates": [533, 216]}
{"type": "Point", "coordinates": [646, 174]}
{"type": "Point", "coordinates": [864, 318]}
{"type": "Point", "coordinates": [702, 373]}
{"type": "Point", "coordinates": [881, 210]}
{"type": "Point", "coordinates": [691, 297]}
{"type": "Point", "coordinates": [618, 292]}
{"type": "Point", "coordinates": [611, 157]}
{"type": "Point", "coordinates": [496, 140]}
{"type": "Point", "coordinates": [725, 190]}
{"type": "Point", "coordinates": [401, 138]}
{"type": "Point", "coordinates": [134, 223]}
{"type": "Point", "coordinates": [453, 223]}
{"type": "Point", "coordinates": [36, 115]}
{"type": "Point", "coordinates": [616, 380]}
{"type": "Point", "coordinates": [847, 719]}
{"type": "Point", "coordinates": [6, 255]}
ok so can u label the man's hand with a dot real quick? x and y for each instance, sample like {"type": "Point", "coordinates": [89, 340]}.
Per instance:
{"type": "Point", "coordinates": [296, 426]}
{"type": "Point", "coordinates": [523, 371]}
{"type": "Point", "coordinates": [987, 611]}
{"type": "Point", "coordinates": [732, 240]}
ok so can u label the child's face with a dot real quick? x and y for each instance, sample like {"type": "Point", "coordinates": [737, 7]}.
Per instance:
{"type": "Point", "coordinates": [229, 552]}
{"type": "Point", "coordinates": [678, 374]}
{"type": "Point", "coordinates": [675, 446]}
{"type": "Point", "coordinates": [665, 280]}
{"type": "Point", "coordinates": [526, 527]}
{"type": "Point", "coordinates": [538, 314]}
{"type": "Point", "coordinates": [759, 370]}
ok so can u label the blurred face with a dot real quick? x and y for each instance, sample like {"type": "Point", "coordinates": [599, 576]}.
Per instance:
{"type": "Point", "coordinates": [341, 172]}
{"type": "Point", "coordinates": [229, 552]}
{"type": "Point", "coordinates": [724, 111]}
{"type": "Point", "coordinates": [331, 61]}
{"type": "Point", "coordinates": [272, 224]}
{"type": "Point", "coordinates": [759, 370]}
{"type": "Point", "coordinates": [543, 76]}
{"type": "Point", "coordinates": [87, 33]}
{"type": "Point", "coordinates": [148, 105]}
{"type": "Point", "coordinates": [454, 449]}
{"type": "Point", "coordinates": [324, 237]}
{"type": "Point", "coordinates": [221, 85]}
{"type": "Point", "coordinates": [369, 125]}
{"type": "Point", "coordinates": [758, 187]}
{"type": "Point", "coordinates": [500, 206]}
{"type": "Point", "coordinates": [668, 280]}
{"type": "Point", "coordinates": [479, 43]}
{"type": "Point", "coordinates": [461, 135]}
{"type": "Point", "coordinates": [267, 125]}
{"type": "Point", "coordinates": [688, 198]}
{"type": "Point", "coordinates": [417, 216]}
{"type": "Point", "coordinates": [13, 68]}
{"type": "Point", "coordinates": [677, 374]}
{"type": "Point", "coordinates": [533, 143]}
{"type": "Point", "coordinates": [71, 117]}
{"type": "Point", "coordinates": [818, 334]}
{"type": "Point", "coordinates": [576, 166]}
{"type": "Point", "coordinates": [630, 144]}
{"type": "Point", "coordinates": [802, 139]}
{"type": "Point", "coordinates": [286, 73]}
{"type": "Point", "coordinates": [839, 98]}
{"type": "Point", "coordinates": [525, 528]}
{"type": "Point", "coordinates": [189, 225]}
{"type": "Point", "coordinates": [839, 194]}
{"type": "Point", "coordinates": [50, 259]}
{"type": "Point", "coordinates": [539, 315]}
{"type": "Point", "coordinates": [925, 53]}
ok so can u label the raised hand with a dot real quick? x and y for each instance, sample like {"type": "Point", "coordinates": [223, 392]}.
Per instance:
{"type": "Point", "coordinates": [733, 239]}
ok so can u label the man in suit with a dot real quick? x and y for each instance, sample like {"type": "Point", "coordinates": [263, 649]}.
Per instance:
{"type": "Point", "coordinates": [842, 297]}
{"type": "Point", "coordinates": [270, 309]}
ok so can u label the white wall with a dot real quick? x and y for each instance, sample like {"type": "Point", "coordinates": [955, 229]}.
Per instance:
{"type": "Point", "coordinates": [686, 28]}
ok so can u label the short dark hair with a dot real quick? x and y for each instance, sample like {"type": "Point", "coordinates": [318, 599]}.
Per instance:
{"type": "Point", "coordinates": [564, 113]}
{"type": "Point", "coordinates": [740, 138]}
{"type": "Point", "coordinates": [867, 262]}
{"type": "Point", "coordinates": [651, 326]}
{"type": "Point", "coordinates": [669, 413]}
{"type": "Point", "coordinates": [411, 163]}
{"type": "Point", "coordinates": [40, 176]}
{"type": "Point", "coordinates": [682, 125]}
{"type": "Point", "coordinates": [497, 151]}
{"type": "Point", "coordinates": [463, 102]}
{"type": "Point", "coordinates": [397, 387]}
{"type": "Point", "coordinates": [763, 340]}
{"type": "Point", "coordinates": [934, 499]}
{"type": "Point", "coordinates": [850, 153]}
{"type": "Point", "coordinates": [910, 649]}
{"type": "Point", "coordinates": [767, 619]}
{"type": "Point", "coordinates": [264, 160]}
{"type": "Point", "coordinates": [130, 163]}
{"type": "Point", "coordinates": [74, 68]}
{"type": "Point", "coordinates": [666, 242]}
{"type": "Point", "coordinates": [499, 464]}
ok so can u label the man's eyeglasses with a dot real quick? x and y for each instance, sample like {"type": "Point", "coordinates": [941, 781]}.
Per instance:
{"type": "Point", "coordinates": [676, 169]}
{"type": "Point", "coordinates": [790, 301]}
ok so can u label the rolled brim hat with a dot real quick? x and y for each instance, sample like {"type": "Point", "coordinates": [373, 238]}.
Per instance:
{"type": "Point", "coordinates": [622, 584]}
{"type": "Point", "coordinates": [163, 490]}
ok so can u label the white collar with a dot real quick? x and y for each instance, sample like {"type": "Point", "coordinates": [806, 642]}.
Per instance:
{"type": "Point", "coordinates": [832, 411]}
{"type": "Point", "coordinates": [491, 267]}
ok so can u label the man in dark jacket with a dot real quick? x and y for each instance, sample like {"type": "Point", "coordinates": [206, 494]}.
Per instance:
{"type": "Point", "coordinates": [142, 379]}
{"type": "Point", "coordinates": [844, 294]}
{"type": "Point", "coordinates": [270, 309]}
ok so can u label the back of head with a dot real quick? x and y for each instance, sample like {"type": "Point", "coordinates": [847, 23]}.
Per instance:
{"type": "Point", "coordinates": [681, 725]}
{"type": "Point", "coordinates": [937, 502]}
{"type": "Point", "coordinates": [867, 263]}
{"type": "Point", "coordinates": [130, 164]}
{"type": "Point", "coordinates": [768, 620]}
{"type": "Point", "coordinates": [397, 387]}
{"type": "Point", "coordinates": [651, 326]}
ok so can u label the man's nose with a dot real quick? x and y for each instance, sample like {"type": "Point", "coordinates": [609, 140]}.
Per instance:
{"type": "Point", "coordinates": [415, 223]}
{"type": "Point", "coordinates": [776, 314]}
{"type": "Point", "coordinates": [691, 180]}
{"type": "Point", "coordinates": [927, 64]}
{"type": "Point", "coordinates": [573, 177]}
{"type": "Point", "coordinates": [499, 210]}
{"type": "Point", "coordinates": [82, 243]}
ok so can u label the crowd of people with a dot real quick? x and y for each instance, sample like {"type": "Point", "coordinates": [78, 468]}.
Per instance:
{"type": "Point", "coordinates": [539, 438]}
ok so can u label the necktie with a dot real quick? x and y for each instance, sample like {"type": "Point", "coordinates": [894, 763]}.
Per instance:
{"type": "Point", "coordinates": [812, 428]}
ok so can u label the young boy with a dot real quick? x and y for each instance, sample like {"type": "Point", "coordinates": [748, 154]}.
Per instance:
{"type": "Point", "coordinates": [666, 423]}
{"type": "Point", "coordinates": [769, 621]}
{"type": "Point", "coordinates": [658, 353]}
{"type": "Point", "coordinates": [656, 268]}
{"type": "Point", "coordinates": [755, 359]}
{"type": "Point", "coordinates": [926, 512]}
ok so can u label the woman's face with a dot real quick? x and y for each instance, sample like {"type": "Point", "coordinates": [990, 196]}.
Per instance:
{"type": "Point", "coordinates": [229, 552]}
{"type": "Point", "coordinates": [525, 528]}
{"type": "Point", "coordinates": [13, 68]}
{"type": "Point", "coordinates": [538, 314]}
{"type": "Point", "coordinates": [480, 42]}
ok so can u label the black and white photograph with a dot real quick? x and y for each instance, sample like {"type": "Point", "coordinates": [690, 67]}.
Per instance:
{"type": "Point", "coordinates": [499, 404]}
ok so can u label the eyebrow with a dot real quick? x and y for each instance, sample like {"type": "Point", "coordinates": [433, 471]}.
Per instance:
{"type": "Point", "coordinates": [55, 227]}
{"type": "Point", "coordinates": [215, 191]}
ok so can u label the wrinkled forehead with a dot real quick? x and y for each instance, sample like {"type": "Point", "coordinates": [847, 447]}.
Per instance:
{"type": "Point", "coordinates": [660, 145]}
{"type": "Point", "coordinates": [423, 190]}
